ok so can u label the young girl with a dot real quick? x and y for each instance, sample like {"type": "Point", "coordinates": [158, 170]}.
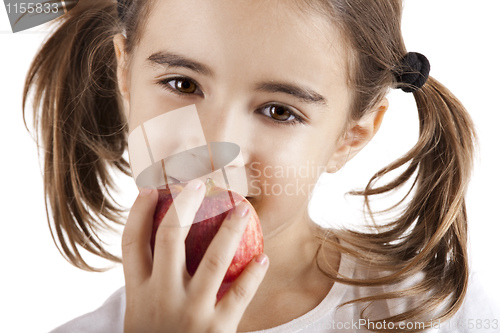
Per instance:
{"type": "Point", "coordinates": [294, 84]}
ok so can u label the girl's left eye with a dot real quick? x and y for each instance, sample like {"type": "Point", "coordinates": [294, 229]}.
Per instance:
{"type": "Point", "coordinates": [279, 114]}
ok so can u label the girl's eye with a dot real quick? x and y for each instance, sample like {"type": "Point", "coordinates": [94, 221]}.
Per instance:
{"type": "Point", "coordinates": [184, 86]}
{"type": "Point", "coordinates": [281, 115]}
{"type": "Point", "coordinates": [180, 85]}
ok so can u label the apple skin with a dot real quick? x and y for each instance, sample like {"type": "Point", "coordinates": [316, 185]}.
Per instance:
{"type": "Point", "coordinates": [201, 233]}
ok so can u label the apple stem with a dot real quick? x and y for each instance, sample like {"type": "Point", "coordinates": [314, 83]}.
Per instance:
{"type": "Point", "coordinates": [209, 183]}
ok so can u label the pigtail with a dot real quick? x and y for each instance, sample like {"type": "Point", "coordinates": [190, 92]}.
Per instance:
{"type": "Point", "coordinates": [448, 140]}
{"type": "Point", "coordinates": [430, 236]}
{"type": "Point", "coordinates": [79, 127]}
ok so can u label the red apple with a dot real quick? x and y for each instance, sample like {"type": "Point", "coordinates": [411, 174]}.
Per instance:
{"type": "Point", "coordinates": [216, 206]}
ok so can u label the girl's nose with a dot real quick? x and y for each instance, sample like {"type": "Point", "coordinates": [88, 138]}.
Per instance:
{"type": "Point", "coordinates": [229, 123]}
{"type": "Point", "coordinates": [227, 131]}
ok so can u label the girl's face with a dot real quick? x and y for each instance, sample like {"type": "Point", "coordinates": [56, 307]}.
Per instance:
{"type": "Point", "coordinates": [263, 75]}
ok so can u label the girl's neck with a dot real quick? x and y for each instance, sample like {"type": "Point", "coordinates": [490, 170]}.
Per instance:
{"type": "Point", "coordinates": [291, 252]}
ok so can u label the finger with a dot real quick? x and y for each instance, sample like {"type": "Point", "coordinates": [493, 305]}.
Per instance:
{"type": "Point", "coordinates": [136, 251]}
{"type": "Point", "coordinates": [169, 252]}
{"type": "Point", "coordinates": [210, 273]}
{"type": "Point", "coordinates": [233, 304]}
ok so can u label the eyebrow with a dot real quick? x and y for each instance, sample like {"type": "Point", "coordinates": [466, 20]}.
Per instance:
{"type": "Point", "coordinates": [169, 59]}
{"type": "Point", "coordinates": [304, 94]}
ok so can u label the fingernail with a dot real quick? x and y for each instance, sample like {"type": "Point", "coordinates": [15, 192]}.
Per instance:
{"type": "Point", "coordinates": [261, 259]}
{"type": "Point", "coordinates": [194, 184]}
{"type": "Point", "coordinates": [145, 191]}
{"type": "Point", "coordinates": [242, 210]}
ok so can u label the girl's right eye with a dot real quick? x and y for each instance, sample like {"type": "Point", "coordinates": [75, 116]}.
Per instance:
{"type": "Point", "coordinates": [180, 86]}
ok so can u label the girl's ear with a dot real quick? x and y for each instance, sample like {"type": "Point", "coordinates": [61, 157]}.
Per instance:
{"type": "Point", "coordinates": [357, 136]}
{"type": "Point", "coordinates": [122, 73]}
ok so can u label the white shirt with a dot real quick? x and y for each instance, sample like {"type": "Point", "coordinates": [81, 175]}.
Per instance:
{"type": "Point", "coordinates": [477, 314]}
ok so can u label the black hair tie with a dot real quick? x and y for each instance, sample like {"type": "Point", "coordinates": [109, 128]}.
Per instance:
{"type": "Point", "coordinates": [413, 72]}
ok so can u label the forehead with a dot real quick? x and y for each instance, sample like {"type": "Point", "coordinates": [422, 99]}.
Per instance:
{"type": "Point", "coordinates": [258, 38]}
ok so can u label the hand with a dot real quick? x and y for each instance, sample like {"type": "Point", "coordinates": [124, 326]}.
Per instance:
{"type": "Point", "coordinates": [160, 294]}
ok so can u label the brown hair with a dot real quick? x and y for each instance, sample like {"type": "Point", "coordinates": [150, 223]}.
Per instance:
{"type": "Point", "coordinates": [78, 118]}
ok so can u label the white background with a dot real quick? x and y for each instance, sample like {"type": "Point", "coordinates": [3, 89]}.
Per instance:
{"type": "Point", "coordinates": [39, 290]}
